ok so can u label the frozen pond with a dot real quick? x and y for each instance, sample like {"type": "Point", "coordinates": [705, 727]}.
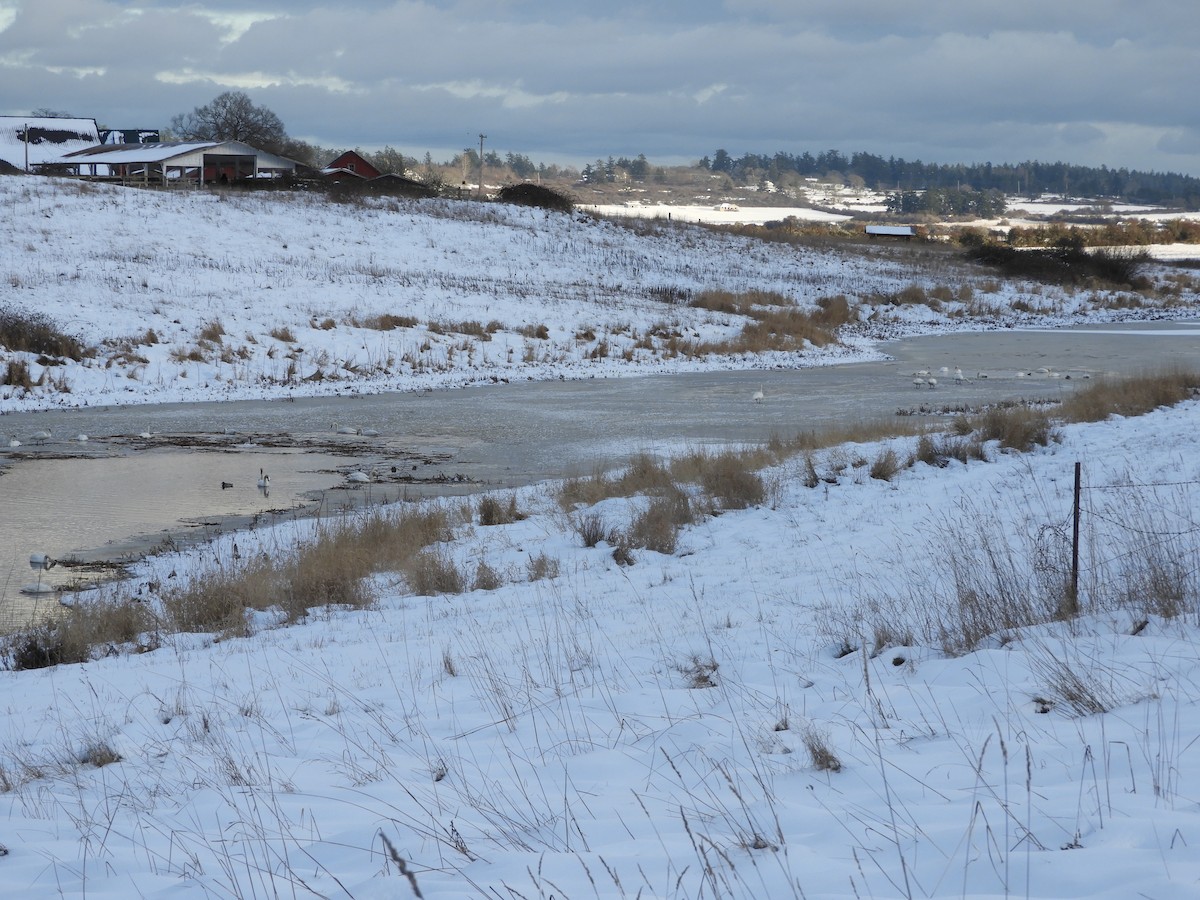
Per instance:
{"type": "Point", "coordinates": [149, 471]}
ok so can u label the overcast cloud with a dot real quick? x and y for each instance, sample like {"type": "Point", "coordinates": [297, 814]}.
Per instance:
{"type": "Point", "coordinates": [1093, 82]}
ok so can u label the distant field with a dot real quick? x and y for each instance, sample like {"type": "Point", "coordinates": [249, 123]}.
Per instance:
{"type": "Point", "coordinates": [716, 215]}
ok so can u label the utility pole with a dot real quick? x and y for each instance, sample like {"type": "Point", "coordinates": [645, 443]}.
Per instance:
{"type": "Point", "coordinates": [481, 137]}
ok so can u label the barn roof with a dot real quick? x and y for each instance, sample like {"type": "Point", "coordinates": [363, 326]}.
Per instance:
{"type": "Point", "coordinates": [178, 153]}
{"type": "Point", "coordinates": [892, 230]}
{"type": "Point", "coordinates": [44, 138]}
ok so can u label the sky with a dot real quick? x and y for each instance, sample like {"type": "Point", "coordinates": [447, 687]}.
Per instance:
{"type": "Point", "coordinates": [1092, 82]}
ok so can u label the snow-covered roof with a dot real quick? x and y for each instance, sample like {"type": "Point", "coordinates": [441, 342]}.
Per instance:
{"type": "Point", "coordinates": [123, 154]}
{"type": "Point", "coordinates": [179, 153]}
{"type": "Point", "coordinates": [43, 138]}
{"type": "Point", "coordinates": [341, 171]}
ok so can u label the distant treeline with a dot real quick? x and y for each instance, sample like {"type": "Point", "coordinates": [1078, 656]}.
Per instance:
{"type": "Point", "coordinates": [1028, 178]}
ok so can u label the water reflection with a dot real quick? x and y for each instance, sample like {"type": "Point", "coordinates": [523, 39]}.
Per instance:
{"type": "Point", "coordinates": [110, 507]}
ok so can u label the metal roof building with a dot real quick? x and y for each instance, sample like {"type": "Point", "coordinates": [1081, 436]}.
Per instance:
{"type": "Point", "coordinates": [175, 163]}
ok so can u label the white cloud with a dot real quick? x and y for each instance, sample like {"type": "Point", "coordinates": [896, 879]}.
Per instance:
{"type": "Point", "coordinates": [234, 25]}
{"type": "Point", "coordinates": [513, 97]}
{"type": "Point", "coordinates": [250, 80]}
{"type": "Point", "coordinates": [705, 94]}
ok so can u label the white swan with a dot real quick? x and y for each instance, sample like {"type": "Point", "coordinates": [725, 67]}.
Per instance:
{"type": "Point", "coordinates": [264, 480]}
{"type": "Point", "coordinates": [358, 478]}
{"type": "Point", "coordinates": [758, 395]}
{"type": "Point", "coordinates": [13, 442]}
{"type": "Point", "coordinates": [368, 432]}
{"type": "Point", "coordinates": [958, 375]}
{"type": "Point", "coordinates": [40, 437]}
{"type": "Point", "coordinates": [344, 429]}
{"type": "Point", "coordinates": [932, 382]}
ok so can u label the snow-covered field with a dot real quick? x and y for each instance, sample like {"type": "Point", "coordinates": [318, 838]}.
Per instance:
{"type": "Point", "coordinates": [297, 287]}
{"type": "Point", "coordinates": [644, 731]}
{"type": "Point", "coordinates": [198, 296]}
{"type": "Point", "coordinates": [719, 214]}
{"type": "Point", "coordinates": [651, 730]}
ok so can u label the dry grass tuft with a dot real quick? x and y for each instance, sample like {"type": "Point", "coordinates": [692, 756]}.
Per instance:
{"type": "Point", "coordinates": [99, 754]}
{"type": "Point", "coordinates": [776, 323]}
{"type": "Point", "coordinates": [817, 744]}
{"type": "Point", "coordinates": [729, 478]}
{"type": "Point", "coordinates": [657, 527]}
{"type": "Point", "coordinates": [386, 322]}
{"type": "Point", "coordinates": [217, 600]}
{"type": "Point", "coordinates": [1000, 583]}
{"type": "Point", "coordinates": [329, 570]}
{"type": "Point", "coordinates": [590, 528]}
{"type": "Point", "coordinates": [493, 511]}
{"type": "Point", "coordinates": [432, 572]}
{"type": "Point", "coordinates": [212, 332]}
{"type": "Point", "coordinates": [886, 465]}
{"type": "Point", "coordinates": [1016, 427]}
{"type": "Point", "coordinates": [1081, 692]}
{"type": "Point", "coordinates": [939, 450]}
{"type": "Point", "coordinates": [540, 566]}
{"type": "Point", "coordinates": [80, 632]}
{"type": "Point", "coordinates": [644, 474]}
{"type": "Point", "coordinates": [699, 671]}
{"type": "Point", "coordinates": [539, 331]}
{"type": "Point", "coordinates": [16, 374]}
{"type": "Point", "coordinates": [1133, 396]}
{"type": "Point", "coordinates": [36, 333]}
{"type": "Point", "coordinates": [486, 578]}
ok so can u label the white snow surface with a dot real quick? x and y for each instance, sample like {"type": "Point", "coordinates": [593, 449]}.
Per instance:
{"type": "Point", "coordinates": [292, 284]}
{"type": "Point", "coordinates": [608, 731]}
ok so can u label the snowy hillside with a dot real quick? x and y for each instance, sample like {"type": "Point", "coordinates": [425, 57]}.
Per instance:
{"type": "Point", "coordinates": [820, 693]}
{"type": "Point", "coordinates": [186, 295]}
{"type": "Point", "coordinates": [766, 712]}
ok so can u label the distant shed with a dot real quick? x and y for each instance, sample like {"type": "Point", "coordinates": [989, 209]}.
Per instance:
{"type": "Point", "coordinates": [905, 231]}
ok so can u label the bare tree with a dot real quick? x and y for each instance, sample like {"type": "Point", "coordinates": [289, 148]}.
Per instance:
{"type": "Point", "coordinates": [232, 117]}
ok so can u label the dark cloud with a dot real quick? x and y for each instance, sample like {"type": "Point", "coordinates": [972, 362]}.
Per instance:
{"type": "Point", "coordinates": [1091, 81]}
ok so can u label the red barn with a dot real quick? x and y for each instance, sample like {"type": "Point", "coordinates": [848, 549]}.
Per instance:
{"type": "Point", "coordinates": [350, 165]}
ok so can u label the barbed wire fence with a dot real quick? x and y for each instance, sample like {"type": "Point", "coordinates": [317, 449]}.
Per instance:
{"type": "Point", "coordinates": [1137, 539]}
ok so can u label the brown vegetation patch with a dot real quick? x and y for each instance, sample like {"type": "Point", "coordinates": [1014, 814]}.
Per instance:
{"type": "Point", "coordinates": [1133, 396]}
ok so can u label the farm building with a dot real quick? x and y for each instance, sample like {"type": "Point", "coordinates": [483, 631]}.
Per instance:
{"type": "Point", "coordinates": [175, 163]}
{"type": "Point", "coordinates": [903, 231]}
{"type": "Point", "coordinates": [350, 165]}
{"type": "Point", "coordinates": [29, 141]}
